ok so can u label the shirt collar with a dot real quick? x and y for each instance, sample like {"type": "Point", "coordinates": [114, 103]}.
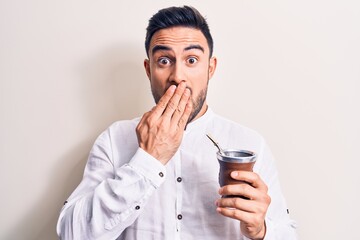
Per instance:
{"type": "Point", "coordinates": [200, 122]}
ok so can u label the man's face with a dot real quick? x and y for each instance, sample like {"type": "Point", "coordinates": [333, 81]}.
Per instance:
{"type": "Point", "coordinates": [180, 54]}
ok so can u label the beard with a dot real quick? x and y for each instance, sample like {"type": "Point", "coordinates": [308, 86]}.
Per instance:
{"type": "Point", "coordinates": [197, 103]}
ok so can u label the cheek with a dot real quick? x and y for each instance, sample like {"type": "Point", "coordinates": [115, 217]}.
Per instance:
{"type": "Point", "coordinates": [202, 70]}
{"type": "Point", "coordinates": [159, 80]}
{"type": "Point", "coordinates": [159, 74]}
{"type": "Point", "coordinates": [199, 76]}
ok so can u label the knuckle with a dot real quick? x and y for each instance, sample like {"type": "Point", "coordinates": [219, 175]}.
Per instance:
{"type": "Point", "coordinates": [150, 121]}
{"type": "Point", "coordinates": [256, 177]}
{"type": "Point", "coordinates": [179, 109]}
{"type": "Point", "coordinates": [236, 202]}
{"type": "Point", "coordinates": [236, 214]}
{"type": "Point", "coordinates": [245, 188]}
{"type": "Point", "coordinates": [171, 105]}
{"type": "Point", "coordinates": [177, 95]}
{"type": "Point", "coordinates": [141, 122]}
{"type": "Point", "coordinates": [163, 125]}
{"type": "Point", "coordinates": [162, 103]}
{"type": "Point", "coordinates": [145, 116]}
{"type": "Point", "coordinates": [226, 189]}
{"type": "Point", "coordinates": [261, 208]}
{"type": "Point", "coordinates": [268, 199]}
{"type": "Point", "coordinates": [181, 122]}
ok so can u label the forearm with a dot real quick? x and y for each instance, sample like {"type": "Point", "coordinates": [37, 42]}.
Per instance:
{"type": "Point", "coordinates": [104, 211]}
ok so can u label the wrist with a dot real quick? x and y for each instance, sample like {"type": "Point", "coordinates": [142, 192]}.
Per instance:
{"type": "Point", "coordinates": [261, 234]}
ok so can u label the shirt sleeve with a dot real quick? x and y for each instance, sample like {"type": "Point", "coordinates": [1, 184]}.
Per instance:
{"type": "Point", "coordinates": [279, 225]}
{"type": "Point", "coordinates": [109, 199]}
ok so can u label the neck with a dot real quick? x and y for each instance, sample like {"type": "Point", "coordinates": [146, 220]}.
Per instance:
{"type": "Point", "coordinates": [201, 112]}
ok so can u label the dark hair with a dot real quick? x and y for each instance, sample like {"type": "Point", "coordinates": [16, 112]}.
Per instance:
{"type": "Point", "coordinates": [185, 16]}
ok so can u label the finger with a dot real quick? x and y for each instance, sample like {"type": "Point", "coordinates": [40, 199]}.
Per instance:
{"type": "Point", "coordinates": [240, 189]}
{"type": "Point", "coordinates": [160, 107]}
{"type": "Point", "coordinates": [250, 177]}
{"type": "Point", "coordinates": [185, 117]}
{"type": "Point", "coordinates": [173, 103]}
{"type": "Point", "coordinates": [251, 223]}
{"type": "Point", "coordinates": [242, 204]}
{"type": "Point", "coordinates": [142, 121]}
{"type": "Point", "coordinates": [181, 107]}
{"type": "Point", "coordinates": [235, 214]}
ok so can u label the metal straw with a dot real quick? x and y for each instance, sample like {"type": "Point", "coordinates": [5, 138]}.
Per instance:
{"type": "Point", "coordinates": [216, 144]}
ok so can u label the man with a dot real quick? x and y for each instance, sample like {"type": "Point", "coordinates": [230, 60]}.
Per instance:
{"type": "Point", "coordinates": [157, 177]}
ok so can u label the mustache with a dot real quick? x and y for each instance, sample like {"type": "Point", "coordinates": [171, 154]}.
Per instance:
{"type": "Point", "coordinates": [176, 84]}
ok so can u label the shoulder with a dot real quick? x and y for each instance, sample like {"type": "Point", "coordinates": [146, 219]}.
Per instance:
{"type": "Point", "coordinates": [235, 134]}
{"type": "Point", "coordinates": [121, 130]}
{"type": "Point", "coordinates": [232, 126]}
{"type": "Point", "coordinates": [123, 125]}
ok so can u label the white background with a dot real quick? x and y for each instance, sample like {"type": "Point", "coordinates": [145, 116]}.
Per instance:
{"type": "Point", "coordinates": [289, 69]}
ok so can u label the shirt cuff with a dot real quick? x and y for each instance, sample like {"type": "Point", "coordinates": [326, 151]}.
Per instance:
{"type": "Point", "coordinates": [270, 232]}
{"type": "Point", "coordinates": [149, 167]}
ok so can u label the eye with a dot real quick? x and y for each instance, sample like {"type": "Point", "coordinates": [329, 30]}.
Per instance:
{"type": "Point", "coordinates": [192, 60]}
{"type": "Point", "coordinates": [164, 61]}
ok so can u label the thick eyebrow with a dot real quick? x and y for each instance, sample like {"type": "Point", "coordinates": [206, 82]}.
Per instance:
{"type": "Point", "coordinates": [166, 48]}
{"type": "Point", "coordinates": [160, 48]}
{"type": "Point", "coordinates": [194, 47]}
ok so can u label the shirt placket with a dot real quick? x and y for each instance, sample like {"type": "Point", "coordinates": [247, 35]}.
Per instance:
{"type": "Point", "coordinates": [179, 190]}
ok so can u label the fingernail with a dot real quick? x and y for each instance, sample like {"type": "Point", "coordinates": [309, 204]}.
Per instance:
{"type": "Point", "coordinates": [183, 85]}
{"type": "Point", "coordinates": [187, 92]}
{"type": "Point", "coordinates": [172, 88]}
{"type": "Point", "coordinates": [234, 174]}
{"type": "Point", "coordinates": [220, 191]}
{"type": "Point", "coordinates": [217, 203]}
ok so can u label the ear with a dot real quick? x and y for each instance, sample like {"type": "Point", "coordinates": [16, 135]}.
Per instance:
{"type": "Point", "coordinates": [147, 67]}
{"type": "Point", "coordinates": [212, 66]}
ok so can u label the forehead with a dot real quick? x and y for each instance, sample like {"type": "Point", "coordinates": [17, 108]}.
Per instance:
{"type": "Point", "coordinates": [179, 37]}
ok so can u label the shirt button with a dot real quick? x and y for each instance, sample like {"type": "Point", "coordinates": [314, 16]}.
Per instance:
{"type": "Point", "coordinates": [179, 216]}
{"type": "Point", "coordinates": [161, 174]}
{"type": "Point", "coordinates": [137, 207]}
{"type": "Point", "coordinates": [179, 179]}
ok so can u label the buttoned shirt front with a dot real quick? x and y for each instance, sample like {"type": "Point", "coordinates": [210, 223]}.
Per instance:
{"type": "Point", "coordinates": [127, 194]}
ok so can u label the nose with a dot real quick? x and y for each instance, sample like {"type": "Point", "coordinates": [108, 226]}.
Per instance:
{"type": "Point", "coordinates": [177, 74]}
